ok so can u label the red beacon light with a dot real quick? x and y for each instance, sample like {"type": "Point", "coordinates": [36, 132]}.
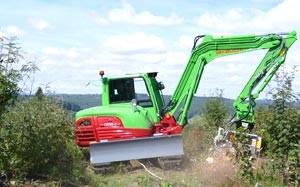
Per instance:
{"type": "Point", "coordinates": [101, 73]}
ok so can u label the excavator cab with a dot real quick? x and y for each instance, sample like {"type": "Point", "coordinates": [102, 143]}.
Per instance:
{"type": "Point", "coordinates": [142, 87]}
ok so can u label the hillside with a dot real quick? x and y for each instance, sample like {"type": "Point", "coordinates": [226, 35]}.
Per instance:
{"type": "Point", "coordinates": [76, 102]}
{"type": "Point", "coordinates": [82, 100]}
{"type": "Point", "coordinates": [91, 100]}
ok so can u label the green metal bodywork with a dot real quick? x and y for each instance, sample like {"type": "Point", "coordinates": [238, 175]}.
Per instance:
{"type": "Point", "coordinates": [130, 119]}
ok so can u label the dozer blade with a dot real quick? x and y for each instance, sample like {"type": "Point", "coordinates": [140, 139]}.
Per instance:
{"type": "Point", "coordinates": [139, 148]}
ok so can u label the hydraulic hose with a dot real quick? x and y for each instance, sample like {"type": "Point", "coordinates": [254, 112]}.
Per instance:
{"type": "Point", "coordinates": [196, 40]}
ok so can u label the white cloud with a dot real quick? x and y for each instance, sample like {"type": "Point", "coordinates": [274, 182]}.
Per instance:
{"type": "Point", "coordinates": [2, 34]}
{"type": "Point", "coordinates": [14, 30]}
{"type": "Point", "coordinates": [224, 21]}
{"type": "Point", "coordinates": [127, 15]}
{"type": "Point", "coordinates": [175, 58]}
{"type": "Point", "coordinates": [52, 51]}
{"type": "Point", "coordinates": [134, 43]}
{"type": "Point", "coordinates": [97, 19]}
{"type": "Point", "coordinates": [185, 42]}
{"type": "Point", "coordinates": [69, 53]}
{"type": "Point", "coordinates": [283, 17]}
{"type": "Point", "coordinates": [233, 72]}
{"type": "Point", "coordinates": [40, 24]}
{"type": "Point", "coordinates": [119, 54]}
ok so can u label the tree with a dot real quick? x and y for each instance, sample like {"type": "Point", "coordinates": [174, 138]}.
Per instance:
{"type": "Point", "coordinates": [39, 141]}
{"type": "Point", "coordinates": [284, 127]}
{"type": "Point", "coordinates": [215, 115]}
{"type": "Point", "coordinates": [11, 72]}
{"type": "Point", "coordinates": [9, 55]}
{"type": "Point", "coordinates": [36, 136]}
{"type": "Point", "coordinates": [279, 125]}
{"type": "Point", "coordinates": [39, 94]}
{"type": "Point", "coordinates": [215, 112]}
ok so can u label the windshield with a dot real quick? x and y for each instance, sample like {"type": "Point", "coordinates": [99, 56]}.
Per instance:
{"type": "Point", "coordinates": [124, 90]}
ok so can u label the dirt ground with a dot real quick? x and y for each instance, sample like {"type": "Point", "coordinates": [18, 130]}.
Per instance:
{"type": "Point", "coordinates": [197, 172]}
{"type": "Point", "coordinates": [217, 172]}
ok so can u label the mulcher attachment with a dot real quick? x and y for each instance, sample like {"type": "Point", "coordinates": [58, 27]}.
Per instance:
{"type": "Point", "coordinates": [227, 137]}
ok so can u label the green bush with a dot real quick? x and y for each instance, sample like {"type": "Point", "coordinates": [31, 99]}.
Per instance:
{"type": "Point", "coordinates": [279, 126]}
{"type": "Point", "coordinates": [215, 111]}
{"type": "Point", "coordinates": [39, 142]}
{"type": "Point", "coordinates": [281, 135]}
{"type": "Point", "coordinates": [36, 136]}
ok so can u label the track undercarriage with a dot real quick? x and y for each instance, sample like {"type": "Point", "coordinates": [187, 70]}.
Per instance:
{"type": "Point", "coordinates": [164, 163]}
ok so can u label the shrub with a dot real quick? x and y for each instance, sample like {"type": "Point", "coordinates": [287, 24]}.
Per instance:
{"type": "Point", "coordinates": [280, 125]}
{"type": "Point", "coordinates": [39, 141]}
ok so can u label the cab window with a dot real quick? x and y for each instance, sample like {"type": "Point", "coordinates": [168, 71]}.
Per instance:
{"type": "Point", "coordinates": [124, 90]}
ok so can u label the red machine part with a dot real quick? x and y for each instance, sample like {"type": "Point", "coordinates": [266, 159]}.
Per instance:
{"type": "Point", "coordinates": [167, 126]}
{"type": "Point", "coordinates": [104, 128]}
{"type": "Point", "coordinates": [109, 128]}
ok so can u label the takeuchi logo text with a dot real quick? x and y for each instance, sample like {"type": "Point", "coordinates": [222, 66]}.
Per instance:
{"type": "Point", "coordinates": [226, 51]}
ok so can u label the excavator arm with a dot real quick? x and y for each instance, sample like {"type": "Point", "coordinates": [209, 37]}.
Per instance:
{"type": "Point", "coordinates": [275, 57]}
{"type": "Point", "coordinates": [214, 47]}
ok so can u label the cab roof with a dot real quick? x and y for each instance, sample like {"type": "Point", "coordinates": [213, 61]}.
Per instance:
{"type": "Point", "coordinates": [149, 74]}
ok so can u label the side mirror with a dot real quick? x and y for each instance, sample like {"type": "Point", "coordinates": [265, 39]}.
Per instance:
{"type": "Point", "coordinates": [134, 104]}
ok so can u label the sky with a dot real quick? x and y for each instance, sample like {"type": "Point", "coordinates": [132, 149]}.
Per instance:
{"type": "Point", "coordinates": [71, 40]}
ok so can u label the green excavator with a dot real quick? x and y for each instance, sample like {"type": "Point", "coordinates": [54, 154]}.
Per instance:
{"type": "Point", "coordinates": [134, 122]}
